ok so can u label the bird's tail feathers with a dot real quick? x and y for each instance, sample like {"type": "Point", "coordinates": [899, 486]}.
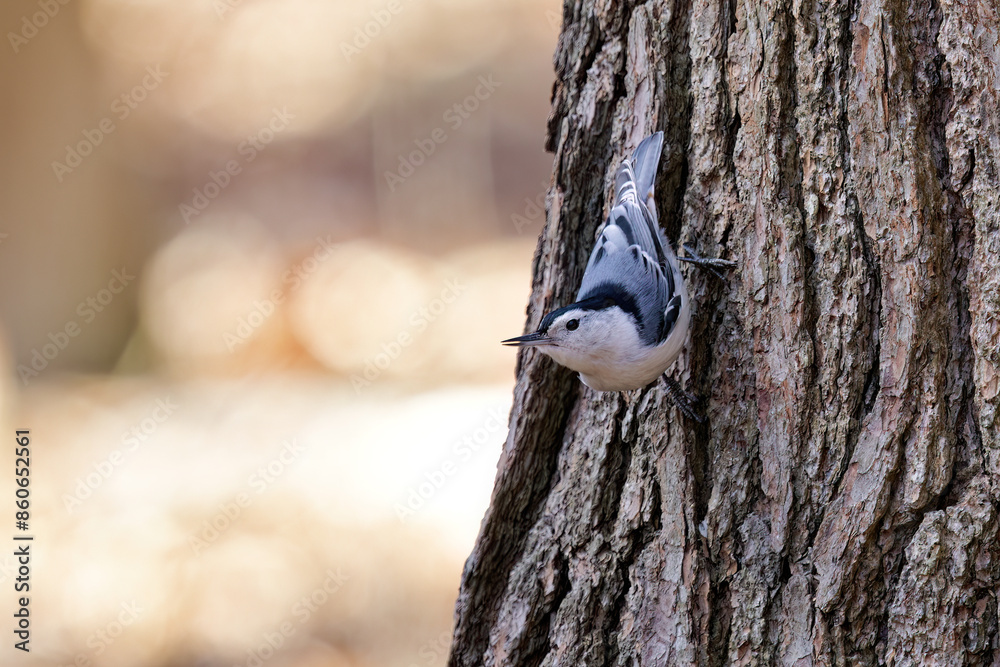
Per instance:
{"type": "Point", "coordinates": [625, 186]}
{"type": "Point", "coordinates": [645, 162]}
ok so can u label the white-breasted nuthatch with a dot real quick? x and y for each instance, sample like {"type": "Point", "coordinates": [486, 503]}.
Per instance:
{"type": "Point", "coordinates": [632, 312]}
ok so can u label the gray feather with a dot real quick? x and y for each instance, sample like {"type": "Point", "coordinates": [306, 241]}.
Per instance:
{"type": "Point", "coordinates": [646, 162]}
{"type": "Point", "coordinates": [629, 256]}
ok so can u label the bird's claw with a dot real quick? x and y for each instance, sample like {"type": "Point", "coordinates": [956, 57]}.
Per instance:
{"type": "Point", "coordinates": [709, 263]}
{"type": "Point", "coordinates": [684, 400]}
{"type": "Point", "coordinates": [714, 262]}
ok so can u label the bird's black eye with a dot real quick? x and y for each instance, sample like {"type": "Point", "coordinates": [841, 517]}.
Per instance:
{"type": "Point", "coordinates": [572, 325]}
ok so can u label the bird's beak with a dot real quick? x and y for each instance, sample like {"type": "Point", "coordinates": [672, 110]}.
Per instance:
{"type": "Point", "coordinates": [528, 340]}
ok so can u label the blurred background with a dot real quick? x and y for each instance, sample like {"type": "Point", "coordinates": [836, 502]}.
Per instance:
{"type": "Point", "coordinates": [256, 258]}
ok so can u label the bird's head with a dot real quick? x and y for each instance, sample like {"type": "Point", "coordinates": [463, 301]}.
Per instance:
{"type": "Point", "coordinates": [582, 334]}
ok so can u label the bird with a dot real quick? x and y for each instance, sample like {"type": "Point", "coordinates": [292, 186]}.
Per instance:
{"type": "Point", "coordinates": [631, 316]}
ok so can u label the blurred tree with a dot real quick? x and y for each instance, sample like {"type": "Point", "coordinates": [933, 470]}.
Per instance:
{"type": "Point", "coordinates": [70, 214]}
{"type": "Point", "coordinates": [840, 505]}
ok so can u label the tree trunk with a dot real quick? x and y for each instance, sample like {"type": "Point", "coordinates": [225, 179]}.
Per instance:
{"type": "Point", "coordinates": [839, 507]}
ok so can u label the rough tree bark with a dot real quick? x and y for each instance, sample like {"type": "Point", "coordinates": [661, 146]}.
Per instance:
{"type": "Point", "coordinates": [840, 505]}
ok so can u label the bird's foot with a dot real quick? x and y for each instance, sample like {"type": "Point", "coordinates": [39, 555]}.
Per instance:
{"type": "Point", "coordinates": [684, 400]}
{"type": "Point", "coordinates": [708, 263]}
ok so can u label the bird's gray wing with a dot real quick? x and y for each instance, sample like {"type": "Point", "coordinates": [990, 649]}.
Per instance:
{"type": "Point", "coordinates": [634, 209]}
{"type": "Point", "coordinates": [624, 267]}
{"type": "Point", "coordinates": [629, 263]}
